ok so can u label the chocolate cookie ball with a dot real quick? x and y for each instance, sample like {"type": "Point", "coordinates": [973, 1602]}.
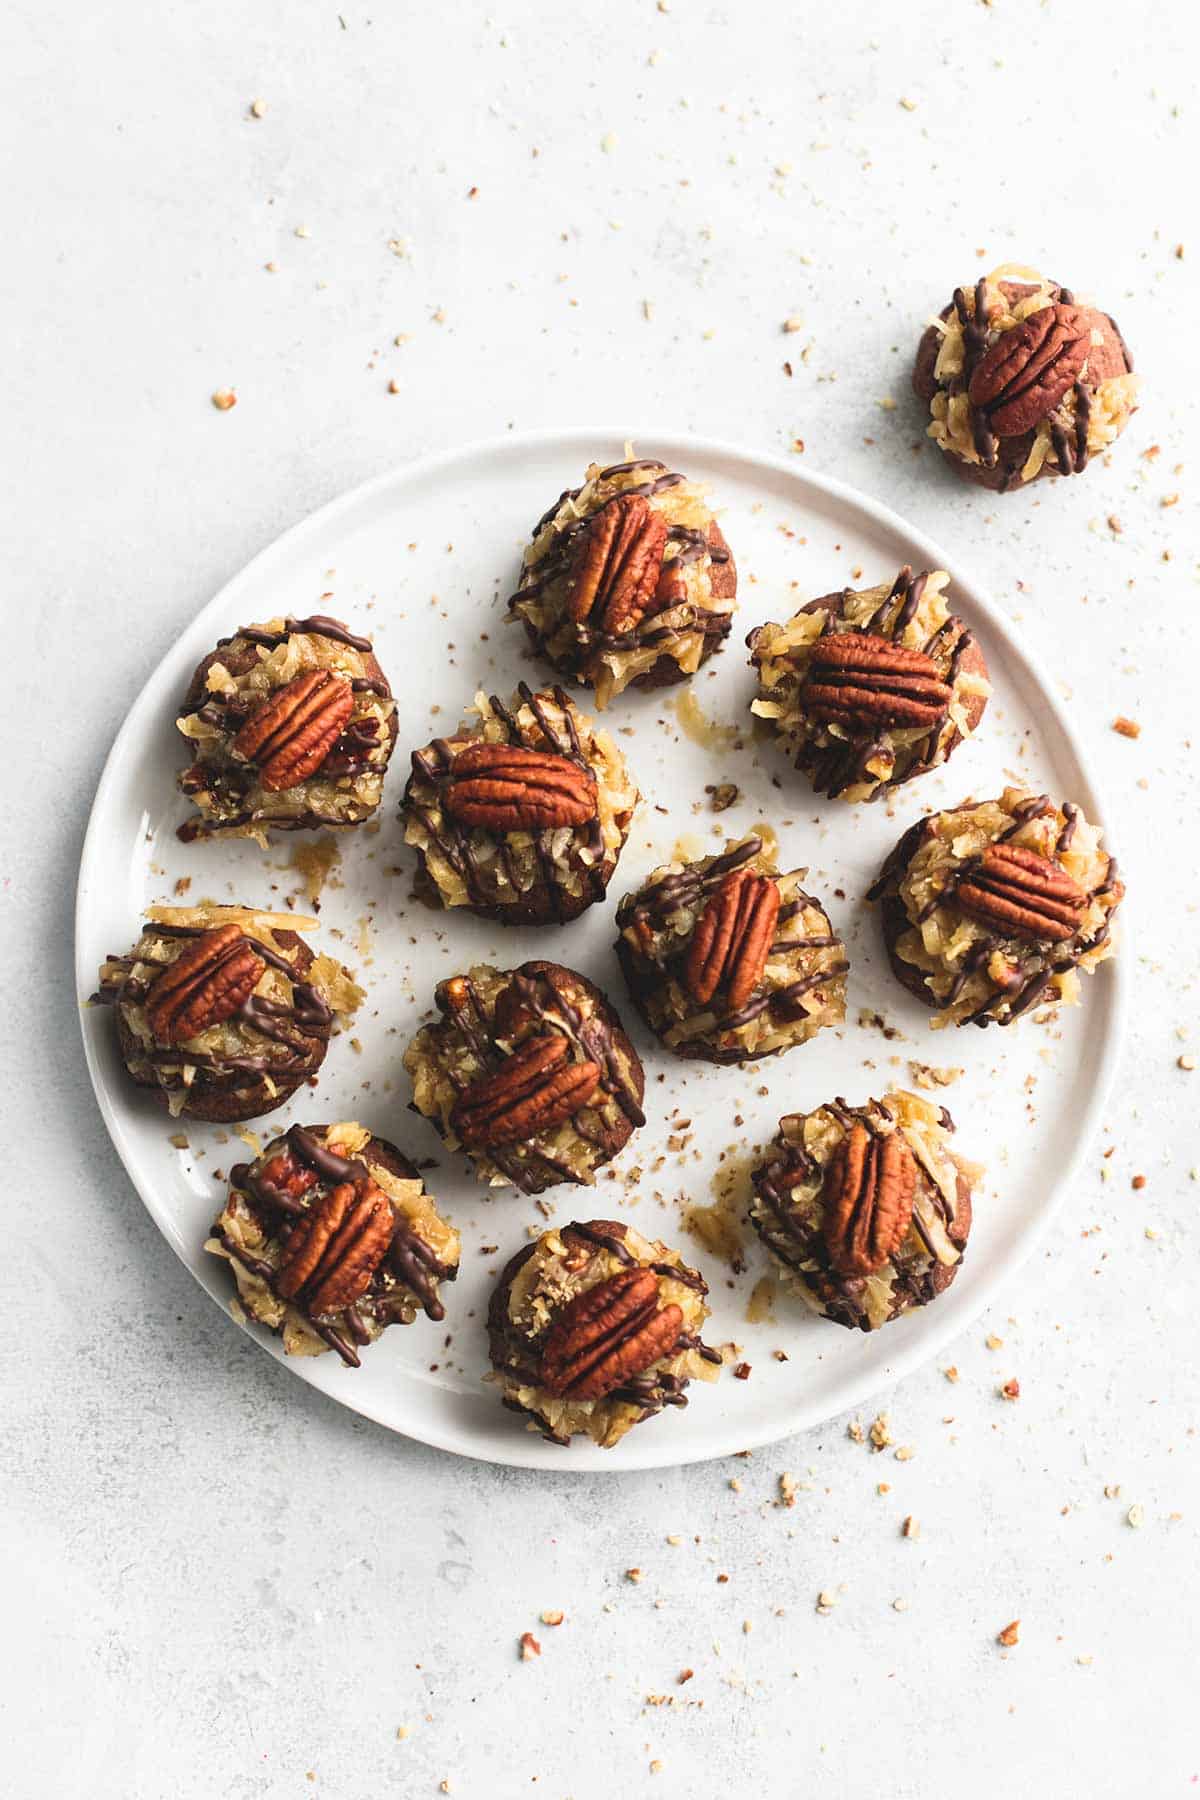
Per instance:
{"type": "Point", "coordinates": [594, 1329]}
{"type": "Point", "coordinates": [627, 580]}
{"type": "Point", "coordinates": [291, 725]}
{"type": "Point", "coordinates": [994, 907]}
{"type": "Point", "coordinates": [868, 688]}
{"type": "Point", "coordinates": [865, 1208]}
{"type": "Point", "coordinates": [728, 960]}
{"type": "Point", "coordinates": [1022, 380]}
{"type": "Point", "coordinates": [521, 815]}
{"type": "Point", "coordinates": [331, 1238]}
{"type": "Point", "coordinates": [222, 1011]}
{"type": "Point", "coordinates": [530, 1072]}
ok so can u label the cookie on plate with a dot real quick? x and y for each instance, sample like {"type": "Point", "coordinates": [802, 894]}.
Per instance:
{"type": "Point", "coordinates": [521, 815]}
{"type": "Point", "coordinates": [594, 1329]}
{"type": "Point", "coordinates": [728, 960]}
{"type": "Point", "coordinates": [995, 906]}
{"type": "Point", "coordinates": [865, 1208]}
{"type": "Point", "coordinates": [223, 1011]}
{"type": "Point", "coordinates": [627, 580]}
{"type": "Point", "coordinates": [291, 726]}
{"type": "Point", "coordinates": [1022, 380]}
{"type": "Point", "coordinates": [332, 1237]}
{"type": "Point", "coordinates": [868, 688]}
{"type": "Point", "coordinates": [530, 1072]}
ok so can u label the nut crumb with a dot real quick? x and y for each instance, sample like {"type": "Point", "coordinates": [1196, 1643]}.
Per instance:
{"type": "Point", "coordinates": [552, 1617]}
{"type": "Point", "coordinates": [1011, 1389]}
{"type": "Point", "coordinates": [224, 399]}
{"type": "Point", "coordinates": [1010, 1635]}
{"type": "Point", "coordinates": [1126, 727]}
{"type": "Point", "coordinates": [529, 1646]}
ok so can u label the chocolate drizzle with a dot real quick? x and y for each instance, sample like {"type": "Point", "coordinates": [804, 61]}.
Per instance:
{"type": "Point", "coordinates": [532, 994]}
{"type": "Point", "coordinates": [495, 879]}
{"type": "Point", "coordinates": [671, 613]}
{"type": "Point", "coordinates": [975, 337]}
{"type": "Point", "coordinates": [653, 908]}
{"type": "Point", "coordinates": [791, 1227]}
{"type": "Point", "coordinates": [836, 763]}
{"type": "Point", "coordinates": [226, 780]}
{"type": "Point", "coordinates": [299, 1026]}
{"type": "Point", "coordinates": [1017, 991]}
{"type": "Point", "coordinates": [410, 1260]}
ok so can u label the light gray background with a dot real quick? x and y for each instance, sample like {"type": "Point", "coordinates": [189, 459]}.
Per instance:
{"type": "Point", "coordinates": [215, 1582]}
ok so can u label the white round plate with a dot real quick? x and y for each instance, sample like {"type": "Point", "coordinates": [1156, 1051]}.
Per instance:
{"type": "Point", "coordinates": [423, 559]}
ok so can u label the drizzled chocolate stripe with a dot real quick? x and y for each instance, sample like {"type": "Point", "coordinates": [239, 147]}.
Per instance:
{"type": "Point", "coordinates": [456, 842]}
{"type": "Point", "coordinates": [411, 1259]}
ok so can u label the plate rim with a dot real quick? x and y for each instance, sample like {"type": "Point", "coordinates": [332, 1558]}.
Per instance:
{"type": "Point", "coordinates": [529, 1450]}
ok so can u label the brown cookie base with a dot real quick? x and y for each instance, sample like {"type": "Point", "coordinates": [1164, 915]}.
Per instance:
{"type": "Point", "coordinates": [516, 1358]}
{"type": "Point", "coordinates": [796, 1239]}
{"type": "Point", "coordinates": [972, 662]}
{"type": "Point", "coordinates": [221, 1102]}
{"type": "Point", "coordinates": [576, 1161]}
{"type": "Point", "coordinates": [239, 661]}
{"type": "Point", "coordinates": [666, 672]}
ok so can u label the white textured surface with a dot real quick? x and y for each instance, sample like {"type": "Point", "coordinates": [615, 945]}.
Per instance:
{"type": "Point", "coordinates": [215, 1581]}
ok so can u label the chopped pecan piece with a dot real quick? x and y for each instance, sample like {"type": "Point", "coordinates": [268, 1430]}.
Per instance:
{"type": "Point", "coordinates": [868, 1196]}
{"type": "Point", "coordinates": [862, 682]}
{"type": "Point", "coordinates": [732, 938]}
{"type": "Point", "coordinates": [1025, 374]}
{"type": "Point", "coordinates": [607, 1335]}
{"type": "Point", "coordinates": [1022, 894]}
{"type": "Point", "coordinates": [336, 1248]}
{"type": "Point", "coordinates": [204, 986]}
{"type": "Point", "coordinates": [293, 731]}
{"type": "Point", "coordinates": [507, 787]}
{"type": "Point", "coordinates": [533, 1090]}
{"type": "Point", "coordinates": [618, 563]}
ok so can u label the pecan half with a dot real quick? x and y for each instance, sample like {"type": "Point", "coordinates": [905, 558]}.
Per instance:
{"type": "Point", "coordinates": [617, 563]}
{"type": "Point", "coordinates": [868, 1196]}
{"type": "Point", "coordinates": [507, 787]}
{"type": "Point", "coordinates": [861, 682]}
{"type": "Point", "coordinates": [732, 938]}
{"type": "Point", "coordinates": [1025, 374]}
{"type": "Point", "coordinates": [204, 986]}
{"type": "Point", "coordinates": [1022, 894]}
{"type": "Point", "coordinates": [533, 1090]}
{"type": "Point", "coordinates": [607, 1335]}
{"type": "Point", "coordinates": [336, 1248]}
{"type": "Point", "coordinates": [292, 732]}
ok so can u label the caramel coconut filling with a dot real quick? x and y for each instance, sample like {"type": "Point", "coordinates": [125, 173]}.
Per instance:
{"type": "Point", "coordinates": [267, 1041]}
{"type": "Point", "coordinates": [235, 795]}
{"type": "Point", "coordinates": [799, 968]}
{"type": "Point", "coordinates": [677, 617]}
{"type": "Point", "coordinates": [794, 1188]}
{"type": "Point", "coordinates": [396, 1280]}
{"type": "Point", "coordinates": [479, 864]}
{"type": "Point", "coordinates": [534, 1293]}
{"type": "Point", "coordinates": [978, 969]}
{"type": "Point", "coordinates": [853, 739]}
